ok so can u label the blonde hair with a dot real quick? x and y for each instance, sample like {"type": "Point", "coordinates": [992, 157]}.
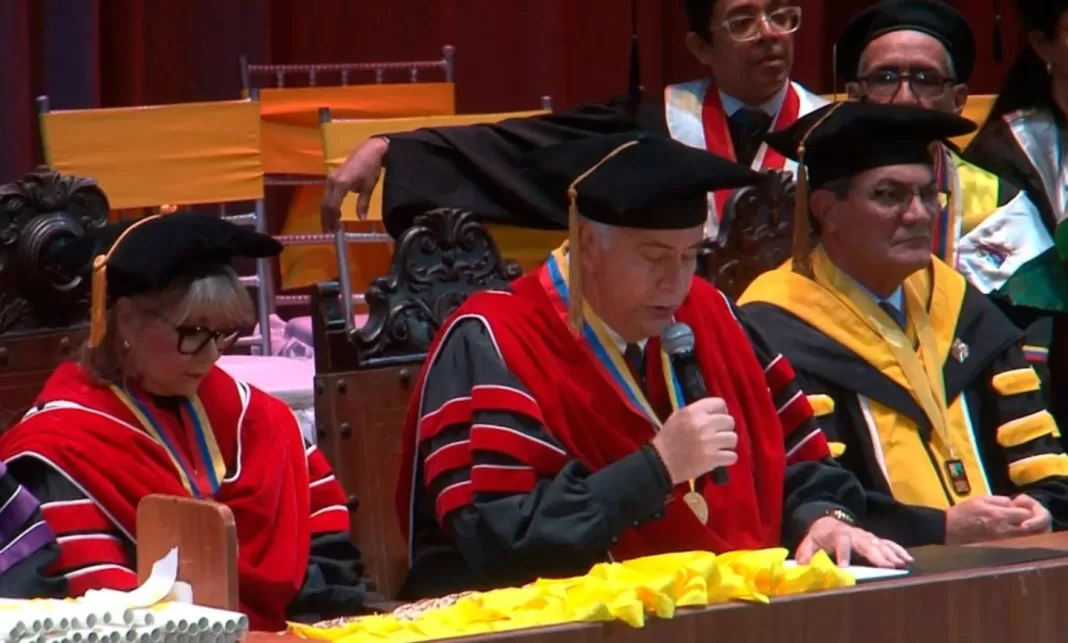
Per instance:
{"type": "Point", "coordinates": [219, 296]}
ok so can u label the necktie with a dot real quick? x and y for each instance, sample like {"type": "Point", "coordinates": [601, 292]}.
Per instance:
{"type": "Point", "coordinates": [747, 128]}
{"type": "Point", "coordinates": [634, 356]}
{"type": "Point", "coordinates": [895, 313]}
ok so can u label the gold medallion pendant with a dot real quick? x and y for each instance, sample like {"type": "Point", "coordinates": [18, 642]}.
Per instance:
{"type": "Point", "coordinates": [696, 503]}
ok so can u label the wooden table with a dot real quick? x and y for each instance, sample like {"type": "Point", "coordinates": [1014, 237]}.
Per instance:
{"type": "Point", "coordinates": [1012, 604]}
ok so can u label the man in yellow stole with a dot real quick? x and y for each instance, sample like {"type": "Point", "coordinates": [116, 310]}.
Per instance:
{"type": "Point", "coordinates": [922, 52]}
{"type": "Point", "coordinates": [918, 378]}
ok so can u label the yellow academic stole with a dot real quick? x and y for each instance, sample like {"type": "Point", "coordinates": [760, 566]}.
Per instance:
{"type": "Point", "coordinates": [922, 369]}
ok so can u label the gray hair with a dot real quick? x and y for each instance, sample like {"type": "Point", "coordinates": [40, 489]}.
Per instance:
{"type": "Point", "coordinates": [219, 296]}
{"type": "Point", "coordinates": [602, 231]}
{"type": "Point", "coordinates": [951, 68]}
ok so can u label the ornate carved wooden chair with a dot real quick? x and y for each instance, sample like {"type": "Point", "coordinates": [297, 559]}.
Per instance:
{"type": "Point", "coordinates": [364, 375]}
{"type": "Point", "coordinates": [756, 234]}
{"type": "Point", "coordinates": [43, 311]}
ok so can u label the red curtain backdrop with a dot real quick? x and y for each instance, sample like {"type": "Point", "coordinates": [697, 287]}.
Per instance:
{"type": "Point", "coordinates": [508, 52]}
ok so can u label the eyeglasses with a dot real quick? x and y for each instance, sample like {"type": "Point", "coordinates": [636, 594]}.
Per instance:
{"type": "Point", "coordinates": [193, 339]}
{"type": "Point", "coordinates": [900, 196]}
{"type": "Point", "coordinates": [781, 21]}
{"type": "Point", "coordinates": [924, 83]}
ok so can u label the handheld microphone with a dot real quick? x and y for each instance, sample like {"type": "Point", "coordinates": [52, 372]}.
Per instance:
{"type": "Point", "coordinates": [678, 342]}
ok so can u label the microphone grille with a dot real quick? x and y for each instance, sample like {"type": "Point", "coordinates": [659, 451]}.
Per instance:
{"type": "Point", "coordinates": [677, 339]}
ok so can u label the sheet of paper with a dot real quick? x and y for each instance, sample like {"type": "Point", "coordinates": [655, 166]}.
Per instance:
{"type": "Point", "coordinates": [862, 573]}
{"type": "Point", "coordinates": [152, 591]}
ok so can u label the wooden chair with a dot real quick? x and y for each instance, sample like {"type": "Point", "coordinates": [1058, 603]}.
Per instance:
{"type": "Point", "coordinates": [364, 376]}
{"type": "Point", "coordinates": [43, 311]}
{"type": "Point", "coordinates": [188, 154]}
{"type": "Point", "coordinates": [756, 234]}
{"type": "Point", "coordinates": [341, 136]}
{"type": "Point", "coordinates": [206, 537]}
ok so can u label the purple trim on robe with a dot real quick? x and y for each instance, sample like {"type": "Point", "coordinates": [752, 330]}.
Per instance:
{"type": "Point", "coordinates": [16, 513]}
{"type": "Point", "coordinates": [26, 544]}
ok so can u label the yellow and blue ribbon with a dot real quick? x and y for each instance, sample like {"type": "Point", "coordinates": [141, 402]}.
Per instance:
{"type": "Point", "coordinates": [203, 434]}
{"type": "Point", "coordinates": [596, 335]}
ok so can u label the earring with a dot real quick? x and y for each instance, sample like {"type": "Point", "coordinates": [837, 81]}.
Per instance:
{"type": "Point", "coordinates": [126, 344]}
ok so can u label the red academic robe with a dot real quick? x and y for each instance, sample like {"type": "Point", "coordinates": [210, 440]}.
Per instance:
{"type": "Point", "coordinates": [281, 493]}
{"type": "Point", "coordinates": [558, 410]}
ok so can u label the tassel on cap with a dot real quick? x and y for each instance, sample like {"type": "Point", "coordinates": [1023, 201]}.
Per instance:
{"type": "Point", "coordinates": [802, 255]}
{"type": "Point", "coordinates": [574, 275]}
{"type": "Point", "coordinates": [98, 320]}
{"type": "Point", "coordinates": [574, 247]}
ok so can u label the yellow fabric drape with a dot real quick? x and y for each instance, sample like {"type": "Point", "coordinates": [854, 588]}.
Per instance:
{"type": "Point", "coordinates": [292, 143]}
{"type": "Point", "coordinates": [628, 592]}
{"type": "Point", "coordinates": [306, 265]}
{"type": "Point", "coordinates": [168, 154]}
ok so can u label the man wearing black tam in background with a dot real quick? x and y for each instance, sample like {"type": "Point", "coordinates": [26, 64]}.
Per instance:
{"type": "Point", "coordinates": [922, 52]}
{"type": "Point", "coordinates": [917, 376]}
{"type": "Point", "coordinates": [748, 48]}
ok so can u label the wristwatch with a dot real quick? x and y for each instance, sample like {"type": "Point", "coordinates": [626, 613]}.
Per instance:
{"type": "Point", "coordinates": [840, 515]}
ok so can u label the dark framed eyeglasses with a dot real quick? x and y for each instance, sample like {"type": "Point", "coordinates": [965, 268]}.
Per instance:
{"type": "Point", "coordinates": [781, 21]}
{"type": "Point", "coordinates": [923, 83]}
{"type": "Point", "coordinates": [193, 339]}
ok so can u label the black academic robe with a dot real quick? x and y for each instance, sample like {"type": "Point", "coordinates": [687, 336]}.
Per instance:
{"type": "Point", "coordinates": [997, 417]}
{"type": "Point", "coordinates": [479, 168]}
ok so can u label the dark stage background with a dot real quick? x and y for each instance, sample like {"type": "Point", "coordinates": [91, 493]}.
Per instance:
{"type": "Point", "coordinates": [86, 53]}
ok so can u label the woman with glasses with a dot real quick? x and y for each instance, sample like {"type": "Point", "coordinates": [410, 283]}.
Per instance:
{"type": "Point", "coordinates": [1025, 139]}
{"type": "Point", "coordinates": [147, 411]}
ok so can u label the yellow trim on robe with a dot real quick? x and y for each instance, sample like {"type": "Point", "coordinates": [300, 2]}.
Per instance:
{"type": "Point", "coordinates": [979, 190]}
{"type": "Point", "coordinates": [1029, 427]}
{"type": "Point", "coordinates": [913, 479]}
{"type": "Point", "coordinates": [821, 405]}
{"type": "Point", "coordinates": [1016, 381]}
{"type": "Point", "coordinates": [837, 449]}
{"type": "Point", "coordinates": [1029, 470]}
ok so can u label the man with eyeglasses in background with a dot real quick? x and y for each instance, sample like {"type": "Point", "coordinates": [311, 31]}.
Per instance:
{"type": "Point", "coordinates": [747, 46]}
{"type": "Point", "coordinates": [922, 52]}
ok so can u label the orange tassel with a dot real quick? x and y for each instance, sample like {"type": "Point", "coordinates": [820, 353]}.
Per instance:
{"type": "Point", "coordinates": [574, 252]}
{"type": "Point", "coordinates": [802, 259]}
{"type": "Point", "coordinates": [802, 255]}
{"type": "Point", "coordinates": [98, 311]}
{"type": "Point", "coordinates": [98, 324]}
{"type": "Point", "coordinates": [574, 274]}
